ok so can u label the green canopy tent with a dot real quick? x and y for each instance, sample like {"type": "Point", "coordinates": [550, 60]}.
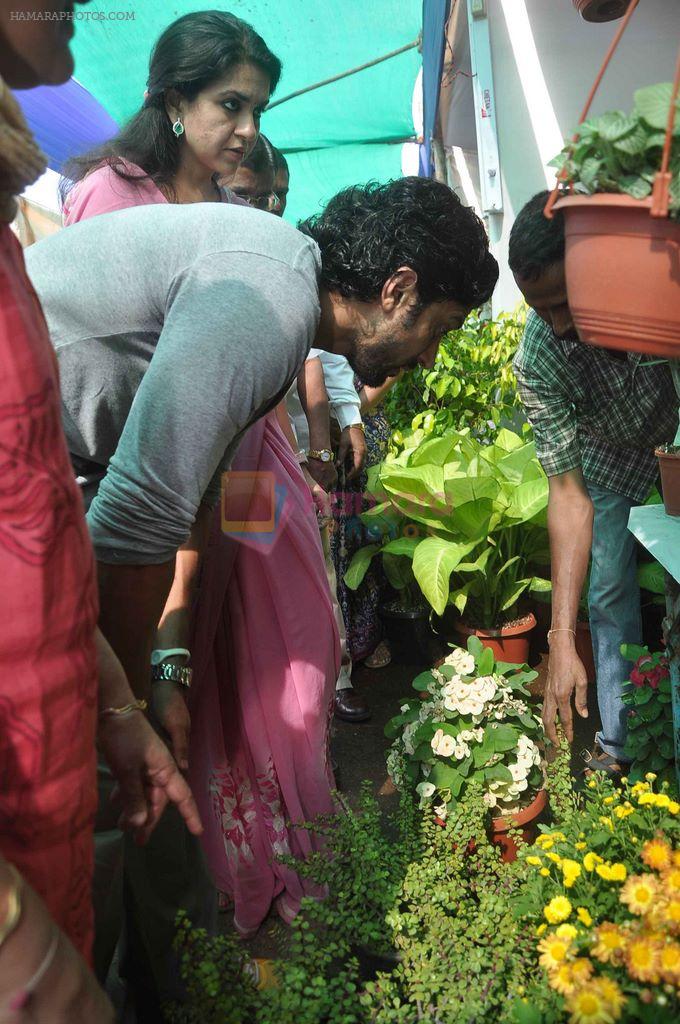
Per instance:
{"type": "Point", "coordinates": [347, 131]}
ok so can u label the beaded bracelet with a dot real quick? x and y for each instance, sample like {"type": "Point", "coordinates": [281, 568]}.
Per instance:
{"type": "Point", "coordinates": [561, 629]}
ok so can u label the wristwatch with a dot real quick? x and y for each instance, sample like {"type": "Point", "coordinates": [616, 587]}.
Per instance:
{"type": "Point", "coordinates": [322, 454]}
{"type": "Point", "coordinates": [165, 672]}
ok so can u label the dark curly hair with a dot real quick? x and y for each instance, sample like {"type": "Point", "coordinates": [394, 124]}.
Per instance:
{"type": "Point", "coordinates": [368, 231]}
{"type": "Point", "coordinates": [536, 243]}
{"type": "Point", "coordinates": [192, 53]}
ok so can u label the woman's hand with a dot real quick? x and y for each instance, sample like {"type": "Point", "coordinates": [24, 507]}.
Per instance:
{"type": "Point", "coordinates": [321, 498]}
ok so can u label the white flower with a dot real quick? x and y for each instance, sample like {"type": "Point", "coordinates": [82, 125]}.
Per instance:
{"type": "Point", "coordinates": [407, 737]}
{"type": "Point", "coordinates": [440, 811]}
{"type": "Point", "coordinates": [442, 743]}
{"type": "Point", "coordinates": [479, 735]}
{"type": "Point", "coordinates": [490, 799]}
{"type": "Point", "coordinates": [425, 791]}
{"type": "Point", "coordinates": [517, 771]}
{"type": "Point", "coordinates": [485, 688]}
{"type": "Point", "coordinates": [439, 676]}
{"type": "Point", "coordinates": [465, 736]}
{"type": "Point", "coordinates": [404, 708]}
{"type": "Point", "coordinates": [471, 707]}
{"type": "Point", "coordinates": [462, 661]}
{"type": "Point", "coordinates": [457, 688]}
{"type": "Point", "coordinates": [460, 751]}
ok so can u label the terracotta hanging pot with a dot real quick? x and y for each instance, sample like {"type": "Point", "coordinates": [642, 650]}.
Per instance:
{"type": "Point", "coordinates": [509, 643]}
{"type": "Point", "coordinates": [623, 273]}
{"type": "Point", "coordinates": [669, 465]}
{"type": "Point", "coordinates": [601, 10]}
{"type": "Point", "coordinates": [526, 820]}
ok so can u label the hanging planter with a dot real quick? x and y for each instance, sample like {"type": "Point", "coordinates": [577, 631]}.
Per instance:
{"type": "Point", "coordinates": [669, 465]}
{"type": "Point", "coordinates": [601, 10]}
{"type": "Point", "coordinates": [622, 245]}
{"type": "Point", "coordinates": [623, 273]}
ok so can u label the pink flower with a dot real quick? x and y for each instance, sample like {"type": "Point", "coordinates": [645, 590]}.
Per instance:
{"type": "Point", "coordinates": [637, 678]}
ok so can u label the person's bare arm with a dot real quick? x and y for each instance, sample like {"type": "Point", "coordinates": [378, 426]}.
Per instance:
{"type": "Point", "coordinates": [372, 397]}
{"type": "Point", "coordinates": [316, 407]}
{"type": "Point", "coordinates": [570, 525]}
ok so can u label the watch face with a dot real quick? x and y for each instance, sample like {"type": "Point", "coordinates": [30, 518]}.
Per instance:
{"type": "Point", "coordinates": [325, 456]}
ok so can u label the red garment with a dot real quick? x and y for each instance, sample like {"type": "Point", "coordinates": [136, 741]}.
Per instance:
{"type": "Point", "coordinates": [48, 613]}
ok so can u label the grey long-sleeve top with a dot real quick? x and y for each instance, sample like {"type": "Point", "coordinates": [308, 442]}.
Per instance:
{"type": "Point", "coordinates": [176, 327]}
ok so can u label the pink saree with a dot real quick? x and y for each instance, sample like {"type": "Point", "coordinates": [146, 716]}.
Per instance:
{"type": "Point", "coordinates": [266, 656]}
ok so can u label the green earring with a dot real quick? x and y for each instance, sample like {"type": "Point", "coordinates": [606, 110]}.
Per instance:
{"type": "Point", "coordinates": [178, 128]}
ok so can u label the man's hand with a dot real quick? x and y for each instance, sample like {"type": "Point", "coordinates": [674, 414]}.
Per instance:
{"type": "Point", "coordinates": [566, 676]}
{"type": "Point", "coordinates": [171, 712]}
{"type": "Point", "coordinates": [146, 774]}
{"type": "Point", "coordinates": [352, 440]}
{"type": "Point", "coordinates": [321, 498]}
{"type": "Point", "coordinates": [325, 473]}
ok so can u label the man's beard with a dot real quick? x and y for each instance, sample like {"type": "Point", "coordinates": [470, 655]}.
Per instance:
{"type": "Point", "coordinates": [372, 363]}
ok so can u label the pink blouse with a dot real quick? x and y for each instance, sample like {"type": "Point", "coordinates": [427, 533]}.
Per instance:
{"type": "Point", "coordinates": [104, 191]}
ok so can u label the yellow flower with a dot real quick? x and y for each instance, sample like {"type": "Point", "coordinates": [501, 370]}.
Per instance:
{"type": "Point", "coordinates": [566, 931]}
{"type": "Point", "coordinates": [557, 910]}
{"type": "Point", "coordinates": [541, 928]}
{"type": "Point", "coordinates": [544, 872]}
{"type": "Point", "coordinates": [669, 962]}
{"type": "Point", "coordinates": [554, 857]}
{"type": "Point", "coordinates": [588, 1006]}
{"type": "Point", "coordinates": [647, 799]}
{"type": "Point", "coordinates": [676, 858]}
{"type": "Point", "coordinates": [554, 951]}
{"type": "Point", "coordinates": [562, 980]}
{"type": "Point", "coordinates": [640, 787]}
{"type": "Point", "coordinates": [535, 862]}
{"type": "Point", "coordinates": [650, 776]}
{"type": "Point", "coordinates": [584, 917]}
{"type": "Point", "coordinates": [642, 960]}
{"type": "Point", "coordinates": [592, 784]}
{"type": "Point", "coordinates": [673, 807]}
{"type": "Point", "coordinates": [591, 860]}
{"type": "Point", "coordinates": [571, 870]}
{"type": "Point", "coordinates": [612, 995]}
{"type": "Point", "coordinates": [669, 912]}
{"type": "Point", "coordinates": [581, 970]}
{"type": "Point", "coordinates": [639, 893]}
{"type": "Point", "coordinates": [604, 871]}
{"type": "Point", "coordinates": [622, 811]}
{"type": "Point", "coordinates": [656, 853]}
{"type": "Point", "coordinates": [671, 879]}
{"type": "Point", "coordinates": [662, 800]}
{"type": "Point", "coordinates": [608, 823]}
{"type": "Point", "coordinates": [545, 842]}
{"type": "Point", "coordinates": [580, 846]}
{"type": "Point", "coordinates": [610, 943]}
{"type": "Point", "coordinates": [617, 872]}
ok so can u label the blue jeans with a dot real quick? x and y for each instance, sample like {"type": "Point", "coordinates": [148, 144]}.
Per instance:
{"type": "Point", "coordinates": [614, 602]}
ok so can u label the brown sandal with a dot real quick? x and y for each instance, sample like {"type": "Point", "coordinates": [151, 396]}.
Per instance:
{"type": "Point", "coordinates": [598, 760]}
{"type": "Point", "coordinates": [380, 658]}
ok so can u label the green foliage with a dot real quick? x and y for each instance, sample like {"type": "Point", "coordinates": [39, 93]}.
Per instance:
{"type": "Point", "coordinates": [469, 517]}
{"type": "Point", "coordinates": [647, 695]}
{"type": "Point", "coordinates": [471, 384]}
{"type": "Point", "coordinates": [619, 152]}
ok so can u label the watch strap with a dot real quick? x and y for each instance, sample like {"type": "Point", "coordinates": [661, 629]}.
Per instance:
{"type": "Point", "coordinates": [322, 454]}
{"type": "Point", "coordinates": [171, 652]}
{"type": "Point", "coordinates": [166, 673]}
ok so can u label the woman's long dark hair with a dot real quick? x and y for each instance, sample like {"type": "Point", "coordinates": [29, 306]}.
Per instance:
{"type": "Point", "coordinates": [191, 54]}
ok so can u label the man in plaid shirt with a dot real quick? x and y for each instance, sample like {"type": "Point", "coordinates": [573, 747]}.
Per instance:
{"type": "Point", "coordinates": [597, 417]}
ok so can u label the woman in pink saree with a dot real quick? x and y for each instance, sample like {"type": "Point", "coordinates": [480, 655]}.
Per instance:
{"type": "Point", "coordinates": [265, 649]}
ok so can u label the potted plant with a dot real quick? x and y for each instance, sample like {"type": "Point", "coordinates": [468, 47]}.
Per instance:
{"type": "Point", "coordinates": [647, 695]}
{"type": "Point", "coordinates": [669, 467]}
{"type": "Point", "coordinates": [475, 727]}
{"type": "Point", "coordinates": [479, 511]}
{"type": "Point", "coordinates": [621, 226]}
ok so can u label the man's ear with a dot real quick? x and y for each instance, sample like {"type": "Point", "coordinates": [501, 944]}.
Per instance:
{"type": "Point", "coordinates": [400, 289]}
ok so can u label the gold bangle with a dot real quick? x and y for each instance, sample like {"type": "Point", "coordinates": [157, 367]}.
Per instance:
{"type": "Point", "coordinates": [136, 705]}
{"type": "Point", "coordinates": [13, 905]}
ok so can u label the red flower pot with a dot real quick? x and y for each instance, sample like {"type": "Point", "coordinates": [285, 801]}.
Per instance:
{"type": "Point", "coordinates": [623, 273]}
{"type": "Point", "coordinates": [509, 643]}
{"type": "Point", "coordinates": [601, 10]}
{"type": "Point", "coordinates": [526, 819]}
{"type": "Point", "coordinates": [669, 465]}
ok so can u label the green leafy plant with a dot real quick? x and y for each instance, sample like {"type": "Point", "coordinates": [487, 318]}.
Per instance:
{"type": "Point", "coordinates": [476, 727]}
{"type": "Point", "coordinates": [619, 152]}
{"type": "Point", "coordinates": [647, 695]}
{"type": "Point", "coordinates": [471, 384]}
{"type": "Point", "coordinates": [469, 517]}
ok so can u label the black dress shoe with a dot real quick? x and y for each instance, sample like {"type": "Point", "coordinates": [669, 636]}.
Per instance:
{"type": "Point", "coordinates": [350, 707]}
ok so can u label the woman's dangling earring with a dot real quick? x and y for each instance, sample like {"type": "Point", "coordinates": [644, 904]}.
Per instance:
{"type": "Point", "coordinates": [178, 128]}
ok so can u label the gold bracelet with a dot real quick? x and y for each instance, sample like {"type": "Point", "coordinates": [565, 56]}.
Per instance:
{"type": "Point", "coordinates": [561, 629]}
{"type": "Point", "coordinates": [13, 905]}
{"type": "Point", "coordinates": [136, 705]}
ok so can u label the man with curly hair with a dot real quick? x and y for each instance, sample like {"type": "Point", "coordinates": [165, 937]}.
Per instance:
{"type": "Point", "coordinates": [177, 326]}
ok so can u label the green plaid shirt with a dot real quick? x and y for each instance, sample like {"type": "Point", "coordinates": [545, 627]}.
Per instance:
{"type": "Point", "coordinates": [594, 411]}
